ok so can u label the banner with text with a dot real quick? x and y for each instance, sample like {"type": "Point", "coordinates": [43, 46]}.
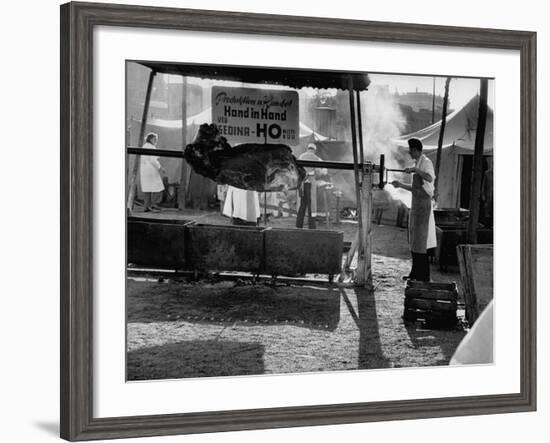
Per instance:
{"type": "Point", "coordinates": [247, 115]}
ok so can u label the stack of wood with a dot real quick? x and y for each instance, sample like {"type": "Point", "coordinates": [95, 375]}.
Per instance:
{"type": "Point", "coordinates": [435, 303]}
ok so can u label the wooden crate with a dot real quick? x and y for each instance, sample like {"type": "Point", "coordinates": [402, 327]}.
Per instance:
{"type": "Point", "coordinates": [476, 273]}
{"type": "Point", "coordinates": [435, 303]}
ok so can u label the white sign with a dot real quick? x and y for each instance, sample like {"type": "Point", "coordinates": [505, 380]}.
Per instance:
{"type": "Point", "coordinates": [247, 115]}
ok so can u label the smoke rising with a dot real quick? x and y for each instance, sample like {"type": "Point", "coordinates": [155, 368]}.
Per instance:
{"type": "Point", "coordinates": [383, 122]}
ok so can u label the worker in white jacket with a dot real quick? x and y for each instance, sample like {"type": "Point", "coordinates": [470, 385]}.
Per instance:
{"type": "Point", "coordinates": [242, 205]}
{"type": "Point", "coordinates": [151, 172]}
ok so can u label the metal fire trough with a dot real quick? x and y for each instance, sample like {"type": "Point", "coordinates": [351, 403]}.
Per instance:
{"type": "Point", "coordinates": [157, 243]}
{"type": "Point", "coordinates": [298, 251]}
{"type": "Point", "coordinates": [225, 248]}
{"type": "Point", "coordinates": [186, 245]}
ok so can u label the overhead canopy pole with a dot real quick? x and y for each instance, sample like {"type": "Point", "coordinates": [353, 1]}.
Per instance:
{"type": "Point", "coordinates": [133, 176]}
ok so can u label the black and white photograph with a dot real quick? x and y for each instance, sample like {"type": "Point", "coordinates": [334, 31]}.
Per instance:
{"type": "Point", "coordinates": [243, 222]}
{"type": "Point", "coordinates": [283, 221]}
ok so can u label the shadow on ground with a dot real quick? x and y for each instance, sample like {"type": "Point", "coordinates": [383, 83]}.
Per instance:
{"type": "Point", "coordinates": [447, 340]}
{"type": "Point", "coordinates": [370, 353]}
{"type": "Point", "coordinates": [314, 308]}
{"type": "Point", "coordinates": [208, 358]}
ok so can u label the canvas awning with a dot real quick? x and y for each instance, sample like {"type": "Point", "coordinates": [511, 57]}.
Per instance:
{"type": "Point", "coordinates": [460, 131]}
{"type": "Point", "coordinates": [291, 77]}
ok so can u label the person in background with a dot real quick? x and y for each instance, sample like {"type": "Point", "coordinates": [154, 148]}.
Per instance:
{"type": "Point", "coordinates": [151, 172]}
{"type": "Point", "coordinates": [308, 193]}
{"type": "Point", "coordinates": [242, 206]}
{"type": "Point", "coordinates": [421, 218]}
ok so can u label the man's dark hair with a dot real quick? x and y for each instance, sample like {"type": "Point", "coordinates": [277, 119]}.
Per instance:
{"type": "Point", "coordinates": [414, 143]}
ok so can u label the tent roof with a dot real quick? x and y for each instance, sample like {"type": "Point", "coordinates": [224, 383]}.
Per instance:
{"type": "Point", "coordinates": [293, 78]}
{"type": "Point", "coordinates": [460, 131]}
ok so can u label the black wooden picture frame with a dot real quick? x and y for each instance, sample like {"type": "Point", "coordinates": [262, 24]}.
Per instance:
{"type": "Point", "coordinates": [77, 24]}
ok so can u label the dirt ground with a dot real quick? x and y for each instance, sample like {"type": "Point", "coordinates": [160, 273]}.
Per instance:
{"type": "Point", "coordinates": [177, 328]}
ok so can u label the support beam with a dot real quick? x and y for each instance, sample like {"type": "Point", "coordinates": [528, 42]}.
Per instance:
{"type": "Point", "coordinates": [360, 130]}
{"type": "Point", "coordinates": [135, 169]}
{"type": "Point", "coordinates": [357, 176]}
{"type": "Point", "coordinates": [433, 101]}
{"type": "Point", "coordinates": [182, 191]}
{"type": "Point", "coordinates": [477, 173]}
{"type": "Point", "coordinates": [363, 273]}
{"type": "Point", "coordinates": [441, 134]}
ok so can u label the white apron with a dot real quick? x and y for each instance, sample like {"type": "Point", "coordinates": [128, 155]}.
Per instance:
{"type": "Point", "coordinates": [149, 174]}
{"type": "Point", "coordinates": [243, 204]}
{"type": "Point", "coordinates": [432, 239]}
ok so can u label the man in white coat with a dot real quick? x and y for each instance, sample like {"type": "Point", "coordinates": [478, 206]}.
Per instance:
{"type": "Point", "coordinates": [150, 173]}
{"type": "Point", "coordinates": [242, 206]}
{"type": "Point", "coordinates": [421, 218]}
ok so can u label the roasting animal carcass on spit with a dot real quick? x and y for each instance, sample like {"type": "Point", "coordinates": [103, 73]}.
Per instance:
{"type": "Point", "coordinates": [251, 166]}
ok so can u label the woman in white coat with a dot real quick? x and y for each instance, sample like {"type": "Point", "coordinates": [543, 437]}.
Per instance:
{"type": "Point", "coordinates": [150, 173]}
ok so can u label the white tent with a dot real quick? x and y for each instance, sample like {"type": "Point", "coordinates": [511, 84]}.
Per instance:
{"type": "Point", "coordinates": [458, 142]}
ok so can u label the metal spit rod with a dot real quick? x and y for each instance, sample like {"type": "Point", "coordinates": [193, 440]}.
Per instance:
{"type": "Point", "coordinates": [380, 168]}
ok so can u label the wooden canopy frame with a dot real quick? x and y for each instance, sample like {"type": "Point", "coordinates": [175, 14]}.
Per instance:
{"type": "Point", "coordinates": [353, 82]}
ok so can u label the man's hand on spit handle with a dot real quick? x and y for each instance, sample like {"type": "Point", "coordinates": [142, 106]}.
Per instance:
{"type": "Point", "coordinates": [398, 184]}
{"type": "Point", "coordinates": [411, 170]}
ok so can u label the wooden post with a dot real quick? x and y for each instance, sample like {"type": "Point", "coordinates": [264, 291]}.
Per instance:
{"type": "Point", "coordinates": [364, 274]}
{"type": "Point", "coordinates": [441, 134]}
{"type": "Point", "coordinates": [133, 177]}
{"type": "Point", "coordinates": [357, 172]}
{"type": "Point", "coordinates": [338, 195]}
{"type": "Point", "coordinates": [327, 208]}
{"type": "Point", "coordinates": [433, 101]}
{"type": "Point", "coordinates": [265, 208]}
{"type": "Point", "coordinates": [360, 131]}
{"type": "Point", "coordinates": [182, 193]}
{"type": "Point", "coordinates": [475, 191]}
